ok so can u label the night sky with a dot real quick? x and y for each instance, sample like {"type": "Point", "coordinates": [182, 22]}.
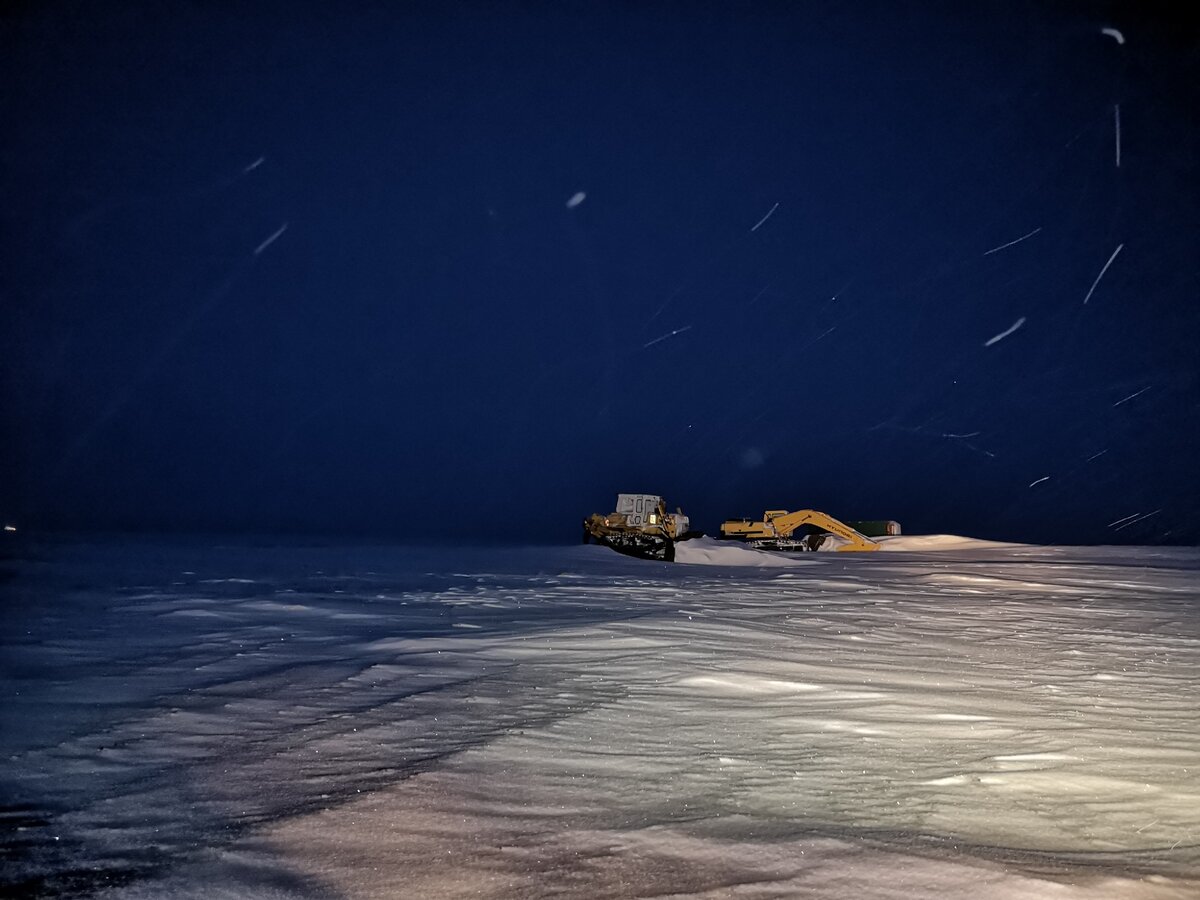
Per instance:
{"type": "Point", "coordinates": [467, 271]}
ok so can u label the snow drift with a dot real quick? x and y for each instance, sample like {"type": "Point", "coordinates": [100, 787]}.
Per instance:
{"type": "Point", "coordinates": [184, 720]}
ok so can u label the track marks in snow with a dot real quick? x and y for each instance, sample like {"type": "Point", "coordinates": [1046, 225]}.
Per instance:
{"type": "Point", "coordinates": [1003, 697]}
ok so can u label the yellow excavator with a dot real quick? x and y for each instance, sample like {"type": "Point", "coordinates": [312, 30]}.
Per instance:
{"type": "Point", "coordinates": [777, 531]}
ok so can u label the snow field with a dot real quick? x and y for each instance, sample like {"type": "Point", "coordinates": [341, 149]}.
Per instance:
{"type": "Point", "coordinates": [1009, 722]}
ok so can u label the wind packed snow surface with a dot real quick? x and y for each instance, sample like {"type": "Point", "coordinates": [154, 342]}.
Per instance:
{"type": "Point", "coordinates": [992, 721]}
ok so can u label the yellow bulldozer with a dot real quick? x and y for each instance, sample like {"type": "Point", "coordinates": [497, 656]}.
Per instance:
{"type": "Point", "coordinates": [804, 529]}
{"type": "Point", "coordinates": [640, 526]}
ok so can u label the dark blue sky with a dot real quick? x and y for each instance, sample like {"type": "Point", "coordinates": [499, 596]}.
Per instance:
{"type": "Point", "coordinates": [438, 345]}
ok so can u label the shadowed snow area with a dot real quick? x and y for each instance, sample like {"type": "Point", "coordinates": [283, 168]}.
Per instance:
{"type": "Point", "coordinates": [952, 717]}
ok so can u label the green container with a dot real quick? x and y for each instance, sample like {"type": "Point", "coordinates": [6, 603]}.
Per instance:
{"type": "Point", "coordinates": [876, 527]}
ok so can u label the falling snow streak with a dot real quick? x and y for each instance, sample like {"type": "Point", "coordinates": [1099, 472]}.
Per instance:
{"type": "Point", "coordinates": [1134, 519]}
{"type": "Point", "coordinates": [918, 429]}
{"type": "Point", "coordinates": [1134, 394]}
{"type": "Point", "coordinates": [1010, 243]}
{"type": "Point", "coordinates": [576, 198]}
{"type": "Point", "coordinates": [667, 335]}
{"type": "Point", "coordinates": [757, 296]}
{"type": "Point", "coordinates": [1040, 480]}
{"type": "Point", "coordinates": [254, 165]}
{"type": "Point", "coordinates": [1101, 275]}
{"type": "Point", "coordinates": [1114, 34]}
{"type": "Point", "coordinates": [1096, 455]}
{"type": "Point", "coordinates": [962, 439]}
{"type": "Point", "coordinates": [764, 218]}
{"type": "Point", "coordinates": [707, 265]}
{"type": "Point", "coordinates": [828, 331]}
{"type": "Point", "coordinates": [269, 241]}
{"type": "Point", "coordinates": [1002, 335]}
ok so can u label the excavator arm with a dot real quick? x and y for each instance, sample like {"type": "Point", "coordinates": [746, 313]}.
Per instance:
{"type": "Point", "coordinates": [778, 526]}
{"type": "Point", "coordinates": [785, 524]}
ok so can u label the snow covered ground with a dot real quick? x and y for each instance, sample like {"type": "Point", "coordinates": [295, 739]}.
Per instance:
{"type": "Point", "coordinates": [953, 718]}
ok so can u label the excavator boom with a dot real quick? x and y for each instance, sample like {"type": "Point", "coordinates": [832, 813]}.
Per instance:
{"type": "Point", "coordinates": [777, 529]}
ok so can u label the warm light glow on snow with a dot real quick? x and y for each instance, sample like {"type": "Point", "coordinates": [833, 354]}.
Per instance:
{"type": "Point", "coordinates": [949, 718]}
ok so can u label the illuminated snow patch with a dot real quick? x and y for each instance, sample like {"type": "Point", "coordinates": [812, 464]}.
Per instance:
{"type": "Point", "coordinates": [749, 684]}
{"type": "Point", "coordinates": [866, 729]}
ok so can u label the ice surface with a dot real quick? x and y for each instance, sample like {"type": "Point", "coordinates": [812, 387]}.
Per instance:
{"type": "Point", "coordinates": [1004, 721]}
